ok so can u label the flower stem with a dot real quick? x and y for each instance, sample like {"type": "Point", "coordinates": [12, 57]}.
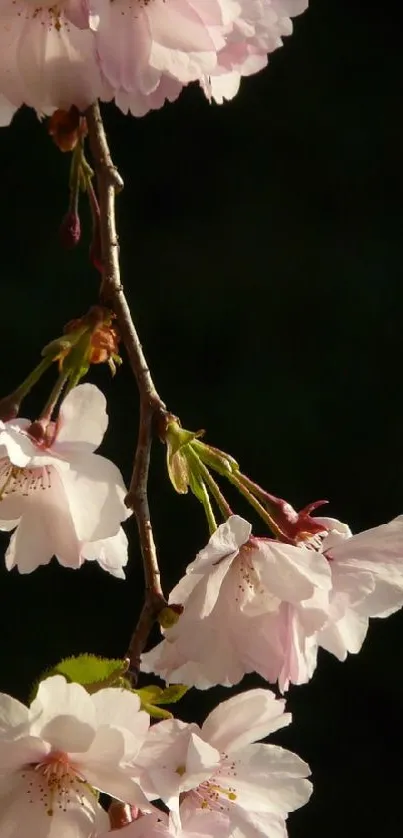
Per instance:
{"type": "Point", "coordinates": [208, 479]}
{"type": "Point", "coordinates": [236, 480]}
{"type": "Point", "coordinates": [55, 394]}
{"type": "Point", "coordinates": [33, 377]}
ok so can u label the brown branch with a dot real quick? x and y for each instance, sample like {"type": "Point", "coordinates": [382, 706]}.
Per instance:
{"type": "Point", "coordinates": [152, 408]}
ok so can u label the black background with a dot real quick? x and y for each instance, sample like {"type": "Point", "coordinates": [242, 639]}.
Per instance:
{"type": "Point", "coordinates": [261, 253]}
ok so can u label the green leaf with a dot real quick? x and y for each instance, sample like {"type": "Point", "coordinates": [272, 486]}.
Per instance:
{"type": "Point", "coordinates": [153, 695]}
{"type": "Point", "coordinates": [156, 712]}
{"type": "Point", "coordinates": [173, 693]}
{"type": "Point", "coordinates": [92, 672]}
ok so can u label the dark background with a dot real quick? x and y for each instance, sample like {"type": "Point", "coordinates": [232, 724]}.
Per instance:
{"type": "Point", "coordinates": [261, 252]}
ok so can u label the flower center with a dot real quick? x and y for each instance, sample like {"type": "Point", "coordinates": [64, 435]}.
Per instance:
{"type": "Point", "coordinates": [211, 794]}
{"type": "Point", "coordinates": [247, 575]}
{"type": "Point", "coordinates": [49, 12]}
{"type": "Point", "coordinates": [22, 481]}
{"type": "Point", "coordinates": [55, 783]}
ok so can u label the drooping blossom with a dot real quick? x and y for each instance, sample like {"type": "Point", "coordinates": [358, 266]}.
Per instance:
{"type": "Point", "coordinates": [247, 606]}
{"type": "Point", "coordinates": [257, 31]}
{"type": "Point", "coordinates": [238, 596]}
{"type": "Point", "coordinates": [61, 497]}
{"type": "Point", "coordinates": [139, 52]}
{"type": "Point", "coordinates": [221, 768]}
{"type": "Point", "coordinates": [56, 754]}
{"type": "Point", "coordinates": [367, 581]}
{"type": "Point", "coordinates": [48, 55]}
{"type": "Point", "coordinates": [149, 49]}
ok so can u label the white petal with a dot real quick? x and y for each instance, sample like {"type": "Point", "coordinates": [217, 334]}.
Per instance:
{"type": "Point", "coordinates": [19, 446]}
{"type": "Point", "coordinates": [385, 600]}
{"type": "Point", "coordinates": [22, 450]}
{"type": "Point", "coordinates": [96, 492]}
{"type": "Point", "coordinates": [201, 760]}
{"type": "Point", "coordinates": [110, 553]}
{"type": "Point", "coordinates": [45, 528]}
{"type": "Point", "coordinates": [377, 544]}
{"type": "Point", "coordinates": [205, 594]}
{"type": "Point", "coordinates": [122, 709]}
{"type": "Point", "coordinates": [266, 778]}
{"type": "Point", "coordinates": [258, 825]}
{"type": "Point", "coordinates": [19, 752]}
{"type": "Point", "coordinates": [346, 635]}
{"type": "Point", "coordinates": [204, 822]}
{"type": "Point", "coordinates": [13, 714]}
{"type": "Point", "coordinates": [291, 573]}
{"type": "Point", "coordinates": [224, 543]}
{"type": "Point", "coordinates": [56, 698]}
{"type": "Point", "coordinates": [83, 420]}
{"type": "Point", "coordinates": [243, 719]}
{"type": "Point", "coordinates": [101, 768]}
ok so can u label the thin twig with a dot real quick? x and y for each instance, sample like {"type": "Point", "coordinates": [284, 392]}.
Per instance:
{"type": "Point", "coordinates": [152, 408]}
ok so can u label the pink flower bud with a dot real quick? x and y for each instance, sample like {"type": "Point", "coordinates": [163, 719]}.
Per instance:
{"type": "Point", "coordinates": [70, 230]}
{"type": "Point", "coordinates": [9, 407]}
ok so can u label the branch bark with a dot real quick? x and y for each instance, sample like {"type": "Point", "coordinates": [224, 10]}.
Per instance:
{"type": "Point", "coordinates": [152, 408]}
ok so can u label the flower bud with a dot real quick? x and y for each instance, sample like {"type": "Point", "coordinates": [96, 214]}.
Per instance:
{"type": "Point", "coordinates": [169, 615]}
{"type": "Point", "coordinates": [70, 230]}
{"type": "Point", "coordinates": [9, 407]}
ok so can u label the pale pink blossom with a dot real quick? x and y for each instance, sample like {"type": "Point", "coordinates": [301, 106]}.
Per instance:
{"type": "Point", "coordinates": [367, 581]}
{"type": "Point", "coordinates": [149, 50]}
{"type": "Point", "coordinates": [55, 754]}
{"type": "Point", "coordinates": [63, 498]}
{"type": "Point", "coordinates": [238, 596]}
{"type": "Point", "coordinates": [264, 606]}
{"type": "Point", "coordinates": [220, 767]}
{"type": "Point", "coordinates": [48, 55]}
{"type": "Point", "coordinates": [257, 31]}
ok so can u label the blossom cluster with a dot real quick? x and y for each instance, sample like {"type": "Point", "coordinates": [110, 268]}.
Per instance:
{"type": "Point", "coordinates": [261, 605]}
{"type": "Point", "coordinates": [60, 498]}
{"type": "Point", "coordinates": [217, 780]}
{"type": "Point", "coordinates": [138, 52]}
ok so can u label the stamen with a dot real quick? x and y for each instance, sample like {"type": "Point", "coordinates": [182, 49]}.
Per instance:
{"type": "Point", "coordinates": [23, 481]}
{"type": "Point", "coordinates": [211, 794]}
{"type": "Point", "coordinates": [56, 783]}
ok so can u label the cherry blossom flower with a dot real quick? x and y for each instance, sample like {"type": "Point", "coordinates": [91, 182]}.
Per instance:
{"type": "Point", "coordinates": [367, 581]}
{"type": "Point", "coordinates": [55, 754]}
{"type": "Point", "coordinates": [220, 768]}
{"type": "Point", "coordinates": [238, 596]}
{"type": "Point", "coordinates": [48, 56]}
{"type": "Point", "coordinates": [247, 606]}
{"type": "Point", "coordinates": [257, 31]}
{"type": "Point", "coordinates": [61, 496]}
{"type": "Point", "coordinates": [149, 50]}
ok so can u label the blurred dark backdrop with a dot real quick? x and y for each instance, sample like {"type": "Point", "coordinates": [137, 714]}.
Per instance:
{"type": "Point", "coordinates": [261, 253]}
